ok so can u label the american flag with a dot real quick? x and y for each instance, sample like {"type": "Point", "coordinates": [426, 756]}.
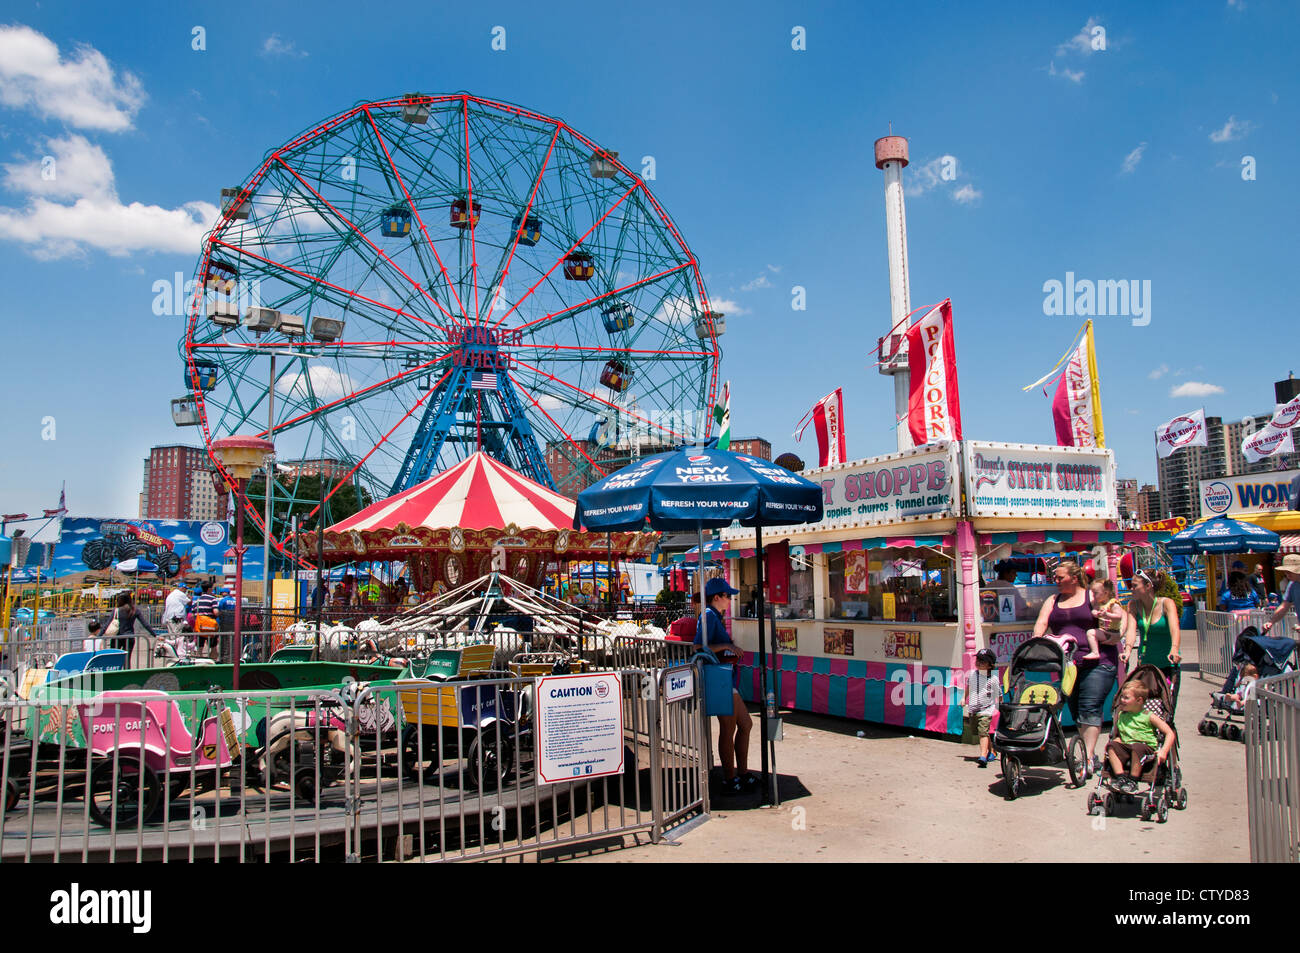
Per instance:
{"type": "Point", "coordinates": [484, 380]}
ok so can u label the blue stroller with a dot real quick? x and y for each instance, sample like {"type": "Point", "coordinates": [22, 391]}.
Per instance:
{"type": "Point", "coordinates": [1226, 717]}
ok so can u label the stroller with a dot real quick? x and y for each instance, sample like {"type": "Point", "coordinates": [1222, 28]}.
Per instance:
{"type": "Point", "coordinates": [1029, 719]}
{"type": "Point", "coordinates": [1225, 717]}
{"type": "Point", "coordinates": [1161, 785]}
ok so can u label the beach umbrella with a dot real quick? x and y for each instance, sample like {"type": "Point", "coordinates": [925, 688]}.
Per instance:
{"type": "Point", "coordinates": [1223, 535]}
{"type": "Point", "coordinates": [137, 565]}
{"type": "Point", "coordinates": [699, 487]}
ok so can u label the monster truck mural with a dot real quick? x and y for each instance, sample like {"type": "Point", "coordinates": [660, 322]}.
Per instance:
{"type": "Point", "coordinates": [122, 541]}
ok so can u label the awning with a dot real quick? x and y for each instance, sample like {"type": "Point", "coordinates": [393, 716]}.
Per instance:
{"type": "Point", "coordinates": [1290, 543]}
{"type": "Point", "coordinates": [1075, 537]}
{"type": "Point", "coordinates": [716, 549]}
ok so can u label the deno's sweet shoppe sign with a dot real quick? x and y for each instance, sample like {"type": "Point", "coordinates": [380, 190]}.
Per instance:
{"type": "Point", "coordinates": [889, 489]}
{"type": "Point", "coordinates": [1023, 481]}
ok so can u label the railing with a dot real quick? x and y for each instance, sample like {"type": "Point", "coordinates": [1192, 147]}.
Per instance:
{"type": "Point", "coordinates": [1273, 769]}
{"type": "Point", "coordinates": [406, 770]}
{"type": "Point", "coordinates": [1216, 636]}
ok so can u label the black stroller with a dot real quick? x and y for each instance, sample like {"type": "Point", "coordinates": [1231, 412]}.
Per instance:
{"type": "Point", "coordinates": [1029, 718]}
{"type": "Point", "coordinates": [1161, 785]}
{"type": "Point", "coordinates": [1270, 656]}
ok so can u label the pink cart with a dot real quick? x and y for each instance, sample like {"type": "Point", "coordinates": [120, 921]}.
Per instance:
{"type": "Point", "coordinates": [140, 741]}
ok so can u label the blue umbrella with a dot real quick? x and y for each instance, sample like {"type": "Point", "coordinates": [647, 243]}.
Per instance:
{"type": "Point", "coordinates": [695, 487]}
{"type": "Point", "coordinates": [1223, 535]}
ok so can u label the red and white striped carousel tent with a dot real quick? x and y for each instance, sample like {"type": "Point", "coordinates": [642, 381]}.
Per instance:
{"type": "Point", "coordinates": [448, 528]}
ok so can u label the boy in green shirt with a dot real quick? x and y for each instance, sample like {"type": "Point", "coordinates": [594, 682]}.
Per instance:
{"type": "Point", "coordinates": [1134, 744]}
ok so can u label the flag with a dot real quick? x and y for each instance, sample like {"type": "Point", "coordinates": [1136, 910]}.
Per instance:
{"type": "Point", "coordinates": [1076, 409]}
{"type": "Point", "coordinates": [1268, 441]}
{"type": "Point", "coordinates": [1275, 437]}
{"type": "Point", "coordinates": [933, 404]}
{"type": "Point", "coordinates": [483, 380]}
{"type": "Point", "coordinates": [63, 508]}
{"type": "Point", "coordinates": [827, 416]}
{"type": "Point", "coordinates": [1184, 431]}
{"type": "Point", "coordinates": [722, 417]}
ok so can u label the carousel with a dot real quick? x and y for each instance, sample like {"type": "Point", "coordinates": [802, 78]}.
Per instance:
{"type": "Point", "coordinates": [476, 518]}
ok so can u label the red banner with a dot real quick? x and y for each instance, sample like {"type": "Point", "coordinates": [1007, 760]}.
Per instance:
{"type": "Point", "coordinates": [933, 406]}
{"type": "Point", "coordinates": [827, 416]}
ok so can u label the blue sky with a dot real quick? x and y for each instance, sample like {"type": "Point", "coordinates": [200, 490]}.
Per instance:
{"type": "Point", "coordinates": [1122, 163]}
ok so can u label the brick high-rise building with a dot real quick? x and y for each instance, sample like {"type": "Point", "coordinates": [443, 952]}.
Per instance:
{"type": "Point", "coordinates": [753, 447]}
{"type": "Point", "coordinates": [1127, 493]}
{"type": "Point", "coordinates": [333, 469]}
{"type": "Point", "coordinates": [1148, 504]}
{"type": "Point", "coordinates": [178, 485]}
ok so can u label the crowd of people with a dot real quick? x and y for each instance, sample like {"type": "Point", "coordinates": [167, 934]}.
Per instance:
{"type": "Point", "coordinates": [1108, 638]}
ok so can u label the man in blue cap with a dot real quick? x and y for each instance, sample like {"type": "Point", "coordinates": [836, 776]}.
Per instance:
{"type": "Point", "coordinates": [733, 730]}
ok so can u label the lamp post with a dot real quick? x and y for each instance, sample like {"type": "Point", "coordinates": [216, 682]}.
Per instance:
{"type": "Point", "coordinates": [240, 457]}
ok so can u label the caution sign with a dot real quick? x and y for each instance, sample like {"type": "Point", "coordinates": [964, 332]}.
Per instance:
{"type": "Point", "coordinates": [579, 727]}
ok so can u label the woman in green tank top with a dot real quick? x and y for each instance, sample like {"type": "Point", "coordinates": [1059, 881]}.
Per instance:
{"type": "Point", "coordinates": [1157, 624]}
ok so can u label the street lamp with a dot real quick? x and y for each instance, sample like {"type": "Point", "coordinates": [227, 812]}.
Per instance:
{"type": "Point", "coordinates": [240, 457]}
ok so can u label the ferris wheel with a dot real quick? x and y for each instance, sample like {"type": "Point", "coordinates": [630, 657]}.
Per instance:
{"type": "Point", "coordinates": [422, 277]}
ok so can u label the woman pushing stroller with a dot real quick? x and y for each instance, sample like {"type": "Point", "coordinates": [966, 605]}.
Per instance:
{"type": "Point", "coordinates": [1066, 618]}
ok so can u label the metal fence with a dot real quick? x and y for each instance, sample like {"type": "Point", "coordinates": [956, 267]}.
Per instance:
{"type": "Point", "coordinates": [412, 769]}
{"type": "Point", "coordinates": [1216, 636]}
{"type": "Point", "coordinates": [1273, 769]}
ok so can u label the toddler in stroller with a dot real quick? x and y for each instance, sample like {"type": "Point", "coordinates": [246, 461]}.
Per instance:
{"type": "Point", "coordinates": [1255, 653]}
{"type": "Point", "coordinates": [1142, 755]}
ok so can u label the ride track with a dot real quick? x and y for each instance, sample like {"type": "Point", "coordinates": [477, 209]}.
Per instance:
{"type": "Point", "coordinates": [342, 223]}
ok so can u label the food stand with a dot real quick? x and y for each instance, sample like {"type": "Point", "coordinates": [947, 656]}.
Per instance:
{"type": "Point", "coordinates": [883, 612]}
{"type": "Point", "coordinates": [1263, 499]}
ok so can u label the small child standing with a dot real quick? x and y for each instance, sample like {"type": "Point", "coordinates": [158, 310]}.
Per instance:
{"type": "Point", "coordinates": [1134, 744]}
{"type": "Point", "coordinates": [983, 695]}
{"type": "Point", "coordinates": [1109, 615]}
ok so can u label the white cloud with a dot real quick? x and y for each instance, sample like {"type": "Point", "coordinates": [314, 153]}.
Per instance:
{"type": "Point", "coordinates": [274, 46]}
{"type": "Point", "coordinates": [1133, 158]}
{"type": "Point", "coordinates": [678, 310]}
{"type": "Point", "coordinates": [776, 269]}
{"type": "Point", "coordinates": [1195, 389]}
{"type": "Point", "coordinates": [1158, 373]}
{"type": "Point", "coordinates": [727, 306]}
{"type": "Point", "coordinates": [941, 173]}
{"type": "Point", "coordinates": [1081, 42]}
{"type": "Point", "coordinates": [759, 282]}
{"type": "Point", "coordinates": [1232, 129]}
{"type": "Point", "coordinates": [326, 383]}
{"type": "Point", "coordinates": [96, 217]}
{"type": "Point", "coordinates": [923, 178]}
{"type": "Point", "coordinates": [79, 169]}
{"type": "Point", "coordinates": [81, 90]}
{"type": "Point", "coordinates": [1073, 75]}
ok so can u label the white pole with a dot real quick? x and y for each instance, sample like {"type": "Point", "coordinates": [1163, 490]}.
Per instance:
{"type": "Point", "coordinates": [891, 158]}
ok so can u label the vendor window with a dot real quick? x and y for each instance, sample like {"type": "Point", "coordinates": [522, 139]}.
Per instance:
{"type": "Point", "coordinates": [919, 582]}
{"type": "Point", "coordinates": [801, 589]}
